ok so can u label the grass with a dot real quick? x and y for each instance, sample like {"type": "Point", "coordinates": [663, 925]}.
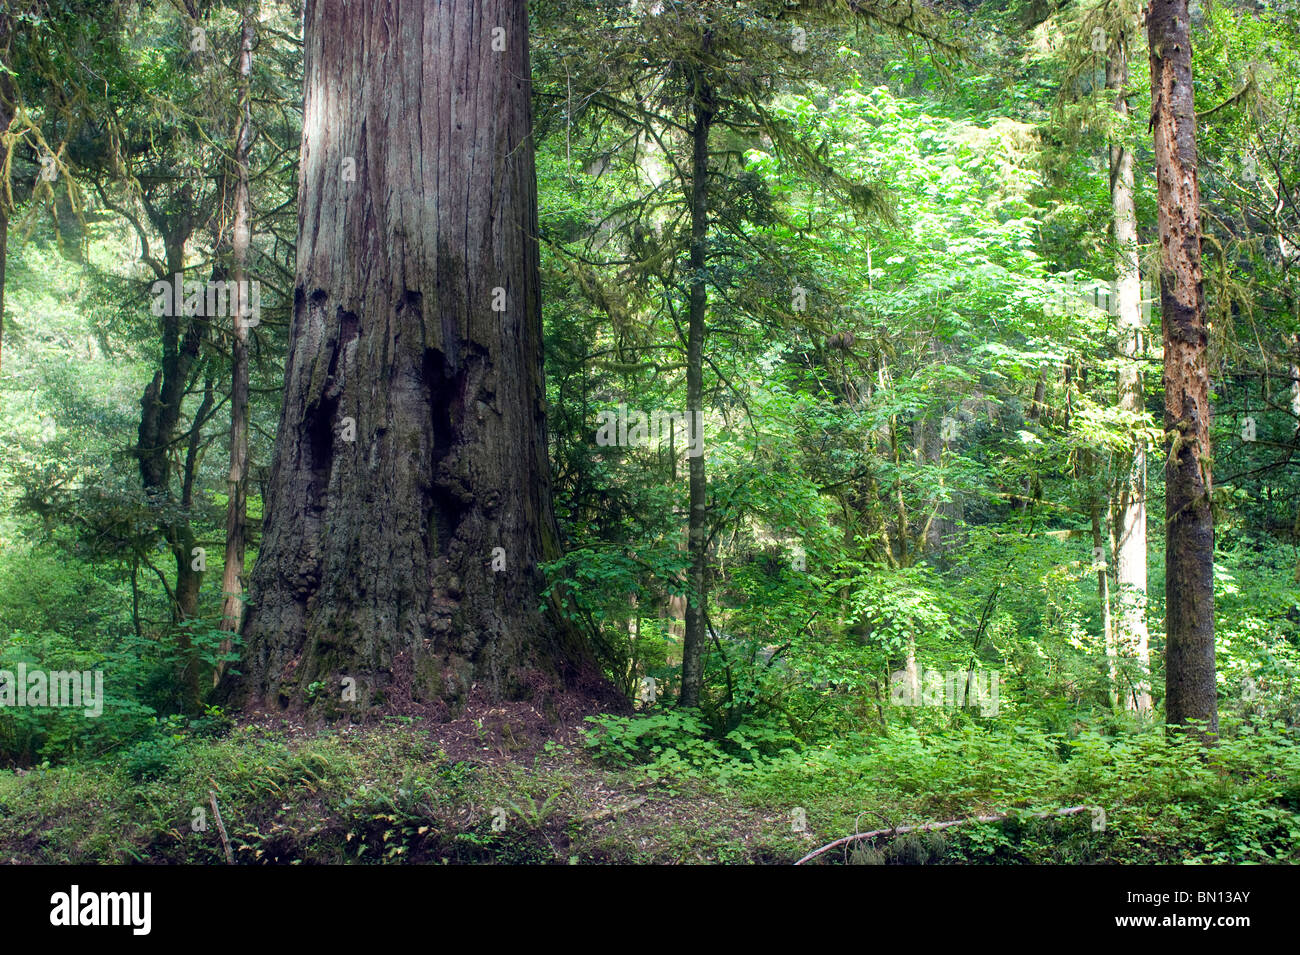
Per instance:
{"type": "Point", "coordinates": [391, 794]}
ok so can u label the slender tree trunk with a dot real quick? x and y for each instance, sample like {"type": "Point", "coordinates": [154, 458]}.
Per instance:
{"type": "Point", "coordinates": [1040, 397]}
{"type": "Point", "coordinates": [1293, 368]}
{"type": "Point", "coordinates": [232, 580]}
{"type": "Point", "coordinates": [1037, 408]}
{"type": "Point", "coordinates": [190, 577]}
{"type": "Point", "coordinates": [160, 412]}
{"type": "Point", "coordinates": [1103, 595]}
{"type": "Point", "coordinates": [902, 556]}
{"type": "Point", "coordinates": [697, 519]}
{"type": "Point", "coordinates": [1131, 510]}
{"type": "Point", "coordinates": [1190, 692]}
{"type": "Point", "coordinates": [911, 672]}
{"type": "Point", "coordinates": [4, 251]}
{"type": "Point", "coordinates": [6, 117]}
{"type": "Point", "coordinates": [409, 502]}
{"type": "Point", "coordinates": [1295, 413]}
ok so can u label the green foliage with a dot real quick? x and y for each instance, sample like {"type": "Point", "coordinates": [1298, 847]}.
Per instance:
{"type": "Point", "coordinates": [677, 744]}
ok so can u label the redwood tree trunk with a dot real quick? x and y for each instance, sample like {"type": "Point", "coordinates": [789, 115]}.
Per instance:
{"type": "Point", "coordinates": [412, 440]}
{"type": "Point", "coordinates": [1190, 691]}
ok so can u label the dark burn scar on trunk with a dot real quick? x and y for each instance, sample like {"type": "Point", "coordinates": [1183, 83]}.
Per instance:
{"type": "Point", "coordinates": [448, 503]}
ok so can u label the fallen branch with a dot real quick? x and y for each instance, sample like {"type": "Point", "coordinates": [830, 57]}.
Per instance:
{"type": "Point", "coordinates": [221, 827]}
{"type": "Point", "coordinates": [932, 826]}
{"type": "Point", "coordinates": [615, 811]}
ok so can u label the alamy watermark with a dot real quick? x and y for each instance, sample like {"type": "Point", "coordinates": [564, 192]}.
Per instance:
{"type": "Point", "coordinates": [75, 689]}
{"type": "Point", "coordinates": [75, 908]}
{"type": "Point", "coordinates": [1067, 292]}
{"type": "Point", "coordinates": [215, 299]}
{"type": "Point", "coordinates": [637, 429]}
{"type": "Point", "coordinates": [954, 688]}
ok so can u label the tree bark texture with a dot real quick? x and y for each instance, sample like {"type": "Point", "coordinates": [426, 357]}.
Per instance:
{"type": "Point", "coordinates": [1190, 692]}
{"type": "Point", "coordinates": [409, 502]}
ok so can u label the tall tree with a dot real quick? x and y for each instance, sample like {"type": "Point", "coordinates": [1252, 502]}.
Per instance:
{"type": "Point", "coordinates": [7, 105]}
{"type": "Point", "coordinates": [1130, 506]}
{"type": "Point", "coordinates": [712, 78]}
{"type": "Point", "coordinates": [232, 581]}
{"type": "Point", "coordinates": [703, 108]}
{"type": "Point", "coordinates": [409, 501]}
{"type": "Point", "coordinates": [1190, 692]}
{"type": "Point", "coordinates": [161, 409]}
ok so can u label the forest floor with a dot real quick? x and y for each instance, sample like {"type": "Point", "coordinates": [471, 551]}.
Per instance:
{"type": "Point", "coordinates": [479, 789]}
{"type": "Point", "coordinates": [495, 787]}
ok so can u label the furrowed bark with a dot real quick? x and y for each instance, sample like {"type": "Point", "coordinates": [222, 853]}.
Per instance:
{"type": "Point", "coordinates": [409, 501]}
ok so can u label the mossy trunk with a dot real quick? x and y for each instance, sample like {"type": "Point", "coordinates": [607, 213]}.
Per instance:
{"type": "Point", "coordinates": [232, 579]}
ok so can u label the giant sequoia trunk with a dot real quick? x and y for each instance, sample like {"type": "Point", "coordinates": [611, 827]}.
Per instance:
{"type": "Point", "coordinates": [1190, 692]}
{"type": "Point", "coordinates": [1131, 506]}
{"type": "Point", "coordinates": [409, 501]}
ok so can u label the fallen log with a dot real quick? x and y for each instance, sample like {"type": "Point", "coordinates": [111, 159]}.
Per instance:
{"type": "Point", "coordinates": [932, 826]}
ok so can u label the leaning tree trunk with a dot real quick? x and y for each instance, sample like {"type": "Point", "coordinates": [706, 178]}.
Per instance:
{"type": "Point", "coordinates": [409, 501]}
{"type": "Point", "coordinates": [1190, 692]}
{"type": "Point", "coordinates": [1131, 507]}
